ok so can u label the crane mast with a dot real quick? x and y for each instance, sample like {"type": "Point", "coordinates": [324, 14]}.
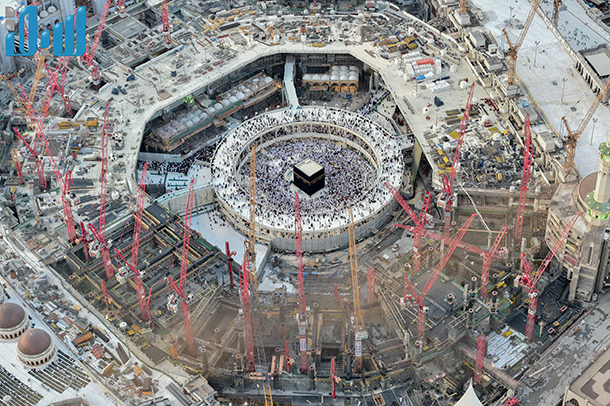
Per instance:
{"type": "Point", "coordinates": [488, 258]}
{"type": "Point", "coordinates": [244, 284]}
{"type": "Point", "coordinates": [360, 333]}
{"type": "Point", "coordinates": [230, 262]}
{"type": "Point", "coordinates": [105, 252]}
{"type": "Point", "coordinates": [105, 293]}
{"type": "Point", "coordinates": [480, 360]}
{"type": "Point", "coordinates": [445, 199]}
{"type": "Point", "coordinates": [139, 286]}
{"type": "Point", "coordinates": [298, 235]}
{"type": "Point", "coordinates": [512, 50]}
{"type": "Point", "coordinates": [65, 190]}
{"type": "Point", "coordinates": [251, 241]}
{"type": "Point", "coordinates": [529, 281]}
{"type": "Point", "coordinates": [185, 306]}
{"type": "Point", "coordinates": [527, 167]}
{"type": "Point", "coordinates": [137, 225]}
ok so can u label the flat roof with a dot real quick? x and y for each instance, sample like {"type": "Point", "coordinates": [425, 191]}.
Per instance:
{"type": "Point", "coordinates": [594, 382]}
{"type": "Point", "coordinates": [309, 167]}
{"type": "Point", "coordinates": [600, 62]}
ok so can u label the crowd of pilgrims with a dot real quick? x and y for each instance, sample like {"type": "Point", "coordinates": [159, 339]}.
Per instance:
{"type": "Point", "coordinates": [351, 177]}
{"type": "Point", "coordinates": [347, 175]}
{"type": "Point", "coordinates": [163, 167]}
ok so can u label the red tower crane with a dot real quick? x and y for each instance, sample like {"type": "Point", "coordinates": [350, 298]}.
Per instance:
{"type": "Point", "coordinates": [137, 226]}
{"type": "Point", "coordinates": [121, 7]}
{"type": "Point", "coordinates": [38, 158]}
{"type": "Point", "coordinates": [58, 85]}
{"type": "Point", "coordinates": [488, 257]}
{"type": "Point", "coordinates": [334, 378]}
{"type": "Point", "coordinates": [525, 178]}
{"type": "Point", "coordinates": [40, 136]}
{"type": "Point", "coordinates": [167, 35]}
{"type": "Point", "coordinates": [445, 199]}
{"type": "Point", "coordinates": [89, 56]}
{"type": "Point", "coordinates": [15, 155]}
{"type": "Point", "coordinates": [528, 280]}
{"type": "Point", "coordinates": [298, 236]}
{"type": "Point", "coordinates": [337, 298]}
{"type": "Point", "coordinates": [139, 285]}
{"type": "Point", "coordinates": [480, 361]}
{"type": "Point", "coordinates": [418, 301]}
{"type": "Point", "coordinates": [65, 190]}
{"type": "Point", "coordinates": [420, 223]}
{"type": "Point", "coordinates": [230, 262]}
{"type": "Point", "coordinates": [370, 285]}
{"type": "Point", "coordinates": [180, 291]}
{"type": "Point", "coordinates": [244, 284]}
{"type": "Point", "coordinates": [83, 236]}
{"type": "Point", "coordinates": [100, 234]}
{"type": "Point", "coordinates": [105, 293]}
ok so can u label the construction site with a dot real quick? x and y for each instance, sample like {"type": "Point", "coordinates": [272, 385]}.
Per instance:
{"type": "Point", "coordinates": [292, 203]}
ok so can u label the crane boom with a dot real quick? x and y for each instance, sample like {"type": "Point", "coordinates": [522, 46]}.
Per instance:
{"type": "Point", "coordinates": [422, 310]}
{"type": "Point", "coordinates": [39, 164]}
{"type": "Point", "coordinates": [529, 281]}
{"type": "Point", "coordinates": [572, 137]}
{"type": "Point", "coordinates": [446, 198]}
{"type": "Point", "coordinates": [167, 35]}
{"type": "Point", "coordinates": [360, 332]}
{"type": "Point", "coordinates": [441, 265]}
{"type": "Point", "coordinates": [89, 57]}
{"type": "Point", "coordinates": [104, 174]}
{"type": "Point", "coordinates": [37, 76]}
{"type": "Point", "coordinates": [353, 260]}
{"type": "Point", "coordinates": [513, 49]}
{"type": "Point", "coordinates": [251, 241]}
{"type": "Point", "coordinates": [560, 240]}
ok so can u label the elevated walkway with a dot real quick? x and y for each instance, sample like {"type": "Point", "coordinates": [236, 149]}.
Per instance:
{"type": "Point", "coordinates": [289, 82]}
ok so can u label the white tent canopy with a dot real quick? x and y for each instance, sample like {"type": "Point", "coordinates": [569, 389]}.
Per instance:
{"type": "Point", "coordinates": [470, 398]}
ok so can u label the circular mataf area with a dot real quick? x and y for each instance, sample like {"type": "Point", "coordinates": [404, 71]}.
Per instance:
{"type": "Point", "coordinates": [358, 157]}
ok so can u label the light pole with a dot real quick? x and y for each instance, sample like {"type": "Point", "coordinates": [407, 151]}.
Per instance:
{"type": "Point", "coordinates": [258, 389]}
{"type": "Point", "coordinates": [510, 18]}
{"type": "Point", "coordinates": [592, 132]}
{"type": "Point", "coordinates": [564, 80]}
{"type": "Point", "coordinates": [536, 52]}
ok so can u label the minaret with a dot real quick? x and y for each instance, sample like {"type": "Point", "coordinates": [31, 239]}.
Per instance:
{"type": "Point", "coordinates": [598, 201]}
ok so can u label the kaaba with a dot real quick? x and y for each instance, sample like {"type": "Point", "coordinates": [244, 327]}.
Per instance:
{"type": "Point", "coordinates": [309, 177]}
